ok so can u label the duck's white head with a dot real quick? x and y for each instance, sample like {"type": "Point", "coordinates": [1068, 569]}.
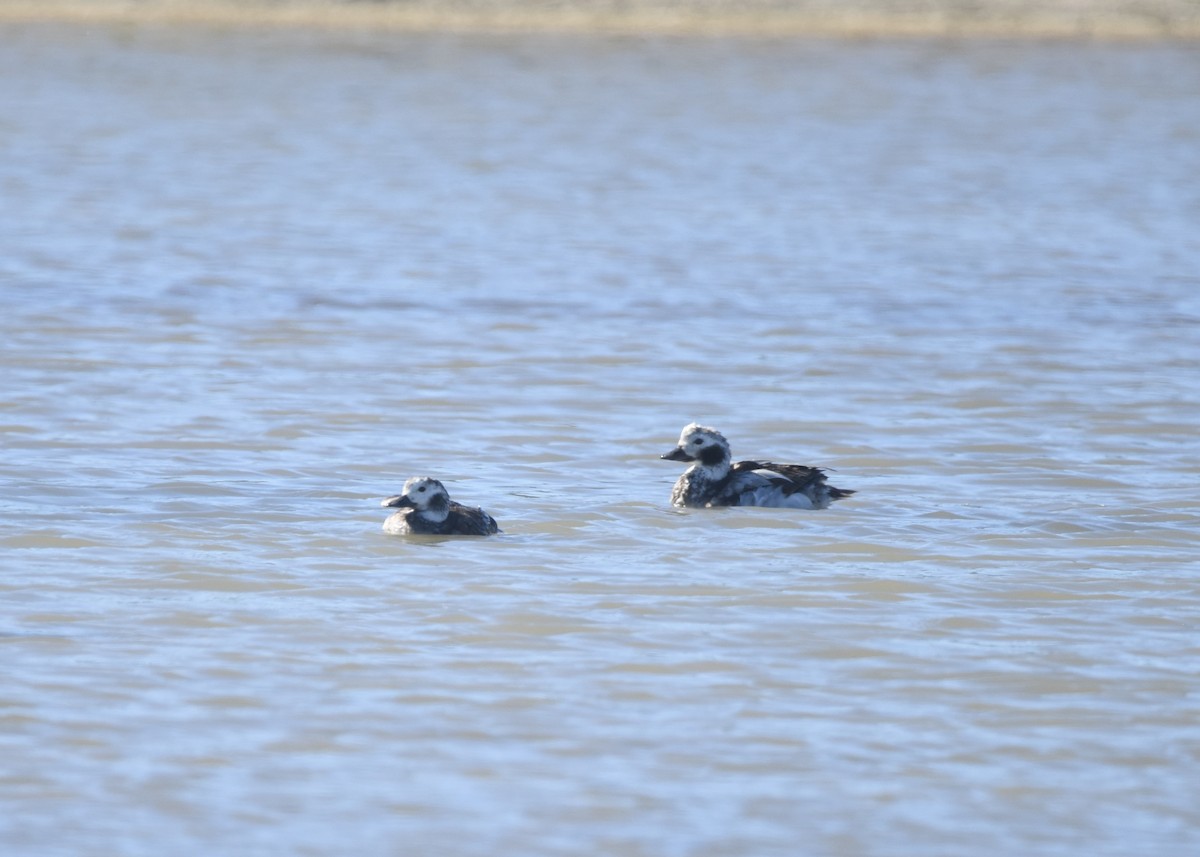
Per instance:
{"type": "Point", "coordinates": [700, 443]}
{"type": "Point", "coordinates": [425, 494]}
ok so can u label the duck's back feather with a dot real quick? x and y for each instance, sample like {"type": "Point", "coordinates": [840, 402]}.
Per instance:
{"type": "Point", "coordinates": [765, 483]}
{"type": "Point", "coordinates": [469, 521]}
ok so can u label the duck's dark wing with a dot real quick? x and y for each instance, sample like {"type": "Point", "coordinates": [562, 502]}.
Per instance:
{"type": "Point", "coordinates": [789, 478]}
{"type": "Point", "coordinates": [468, 521]}
{"type": "Point", "coordinates": [765, 483]}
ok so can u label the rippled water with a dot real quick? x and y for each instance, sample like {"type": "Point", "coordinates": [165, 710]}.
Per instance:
{"type": "Point", "coordinates": [251, 281]}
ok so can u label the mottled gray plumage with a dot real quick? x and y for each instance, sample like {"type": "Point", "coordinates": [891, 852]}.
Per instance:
{"type": "Point", "coordinates": [427, 510]}
{"type": "Point", "coordinates": [713, 480]}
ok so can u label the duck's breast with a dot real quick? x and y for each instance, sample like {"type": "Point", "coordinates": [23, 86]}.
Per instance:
{"type": "Point", "coordinates": [397, 524]}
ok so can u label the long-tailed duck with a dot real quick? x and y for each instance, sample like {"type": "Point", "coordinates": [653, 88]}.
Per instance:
{"type": "Point", "coordinates": [714, 481]}
{"type": "Point", "coordinates": [427, 510]}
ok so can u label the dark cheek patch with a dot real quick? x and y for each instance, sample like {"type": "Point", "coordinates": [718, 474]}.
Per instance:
{"type": "Point", "coordinates": [712, 455]}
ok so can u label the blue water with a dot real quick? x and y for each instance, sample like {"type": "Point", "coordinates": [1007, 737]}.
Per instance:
{"type": "Point", "coordinates": [253, 280]}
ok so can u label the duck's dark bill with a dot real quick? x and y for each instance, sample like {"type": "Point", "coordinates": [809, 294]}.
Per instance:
{"type": "Point", "coordinates": [677, 454]}
{"type": "Point", "coordinates": [398, 500]}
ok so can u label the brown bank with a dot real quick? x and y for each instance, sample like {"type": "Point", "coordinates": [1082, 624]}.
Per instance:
{"type": "Point", "coordinates": [1106, 19]}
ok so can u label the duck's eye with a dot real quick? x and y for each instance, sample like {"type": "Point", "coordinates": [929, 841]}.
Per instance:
{"type": "Point", "coordinates": [698, 441]}
{"type": "Point", "coordinates": [421, 489]}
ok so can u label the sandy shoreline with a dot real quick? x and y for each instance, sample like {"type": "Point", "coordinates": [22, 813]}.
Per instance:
{"type": "Point", "coordinates": [1103, 19]}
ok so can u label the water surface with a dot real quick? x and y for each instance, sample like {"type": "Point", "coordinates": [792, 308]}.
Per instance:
{"type": "Point", "coordinates": [253, 280]}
